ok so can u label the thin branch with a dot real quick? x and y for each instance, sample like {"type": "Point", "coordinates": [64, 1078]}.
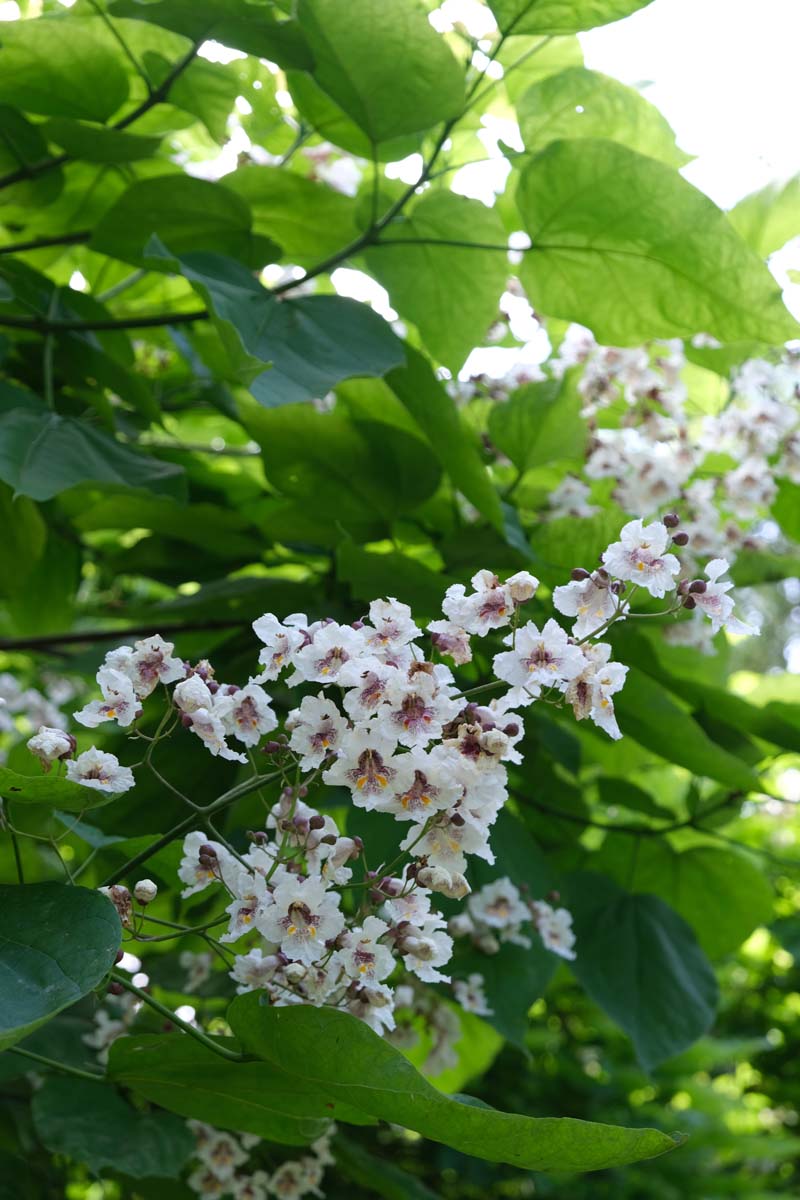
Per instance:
{"type": "Point", "coordinates": [60, 239]}
{"type": "Point", "coordinates": [54, 1065]}
{"type": "Point", "coordinates": [126, 50]}
{"type": "Point", "coordinates": [157, 1006]}
{"type": "Point", "coordinates": [44, 640]}
{"type": "Point", "coordinates": [42, 325]}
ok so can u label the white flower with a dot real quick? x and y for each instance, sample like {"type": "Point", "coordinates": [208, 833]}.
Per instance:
{"type": "Point", "coordinates": [639, 556]}
{"type": "Point", "coordinates": [249, 897]}
{"type": "Point", "coordinates": [149, 663]}
{"type": "Point", "coordinates": [418, 706]}
{"type": "Point", "coordinates": [245, 713]}
{"type": "Point", "coordinates": [451, 640]}
{"type": "Point", "coordinates": [100, 771]}
{"type": "Point", "coordinates": [592, 602]}
{"type": "Point", "coordinates": [447, 843]}
{"type": "Point", "coordinates": [207, 725]}
{"type": "Point", "coordinates": [471, 996]}
{"type": "Point", "coordinates": [207, 1184]}
{"type": "Point", "coordinates": [488, 607]}
{"type": "Point", "coordinates": [538, 659]}
{"type": "Point", "coordinates": [145, 891]}
{"type": "Point", "coordinates": [193, 693]}
{"type": "Point", "coordinates": [322, 659]}
{"type": "Point", "coordinates": [217, 865]}
{"type": "Point", "coordinates": [366, 680]}
{"type": "Point", "coordinates": [222, 1154]}
{"type": "Point", "coordinates": [522, 586]}
{"type": "Point", "coordinates": [498, 905]}
{"type": "Point", "coordinates": [120, 897]}
{"type": "Point", "coordinates": [555, 929]}
{"type": "Point", "coordinates": [365, 764]}
{"type": "Point", "coordinates": [590, 692]}
{"type": "Point", "coordinates": [423, 783]}
{"type": "Point", "coordinates": [254, 970]}
{"type": "Point", "coordinates": [302, 918]}
{"type": "Point", "coordinates": [449, 883]}
{"type": "Point", "coordinates": [363, 957]}
{"type": "Point", "coordinates": [120, 702]}
{"type": "Point", "coordinates": [250, 1187]}
{"type": "Point", "coordinates": [280, 642]}
{"type": "Point", "coordinates": [570, 499]}
{"type": "Point", "coordinates": [317, 728]}
{"type": "Point", "coordinates": [715, 602]}
{"type": "Point", "coordinates": [424, 949]}
{"type": "Point", "coordinates": [197, 967]}
{"type": "Point", "coordinates": [49, 745]}
{"type": "Point", "coordinates": [392, 629]}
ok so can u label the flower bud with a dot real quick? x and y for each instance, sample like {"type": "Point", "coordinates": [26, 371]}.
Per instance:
{"type": "Point", "coordinates": [119, 957]}
{"type": "Point", "coordinates": [208, 850]}
{"type": "Point", "coordinates": [449, 883]}
{"type": "Point", "coordinates": [186, 721]}
{"type": "Point", "coordinates": [295, 972]}
{"type": "Point", "coordinates": [579, 573]}
{"type": "Point", "coordinates": [457, 819]}
{"type": "Point", "coordinates": [618, 587]}
{"type": "Point", "coordinates": [511, 730]}
{"type": "Point", "coordinates": [271, 748]}
{"type": "Point", "coordinates": [671, 520]}
{"type": "Point", "coordinates": [522, 586]}
{"type": "Point", "coordinates": [116, 989]}
{"type": "Point", "coordinates": [120, 897]}
{"type": "Point", "coordinates": [317, 821]}
{"type": "Point", "coordinates": [698, 586]}
{"type": "Point", "coordinates": [145, 891]}
{"type": "Point", "coordinates": [213, 686]}
{"type": "Point", "coordinates": [690, 602]}
{"type": "Point", "coordinates": [681, 538]}
{"type": "Point", "coordinates": [302, 791]}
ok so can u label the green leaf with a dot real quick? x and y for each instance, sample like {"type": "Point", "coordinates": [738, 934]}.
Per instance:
{"type": "Point", "coordinates": [207, 90]}
{"type": "Point", "coordinates": [185, 213]}
{"type": "Point", "coordinates": [392, 574]}
{"type": "Point", "coordinates": [641, 963]}
{"type": "Point", "coordinates": [96, 143]}
{"type": "Point", "coordinates": [248, 25]}
{"type": "Point", "coordinates": [91, 1123]}
{"type": "Point", "coordinates": [62, 67]}
{"type": "Point", "coordinates": [21, 145]}
{"type": "Point", "coordinates": [539, 424]}
{"type": "Point", "coordinates": [331, 123]}
{"type": "Point", "coordinates": [43, 454]}
{"type": "Point", "coordinates": [650, 714]}
{"type": "Point", "coordinates": [578, 103]}
{"type": "Point", "coordinates": [436, 414]}
{"type": "Point", "coordinates": [256, 1097]}
{"type": "Point", "coordinates": [356, 1065]}
{"type": "Point", "coordinates": [624, 245]}
{"type": "Point", "coordinates": [379, 1176]}
{"type": "Point", "coordinates": [428, 284]}
{"type": "Point", "coordinates": [560, 16]}
{"type": "Point", "coordinates": [718, 891]}
{"type": "Point", "coordinates": [384, 65]}
{"type": "Point", "coordinates": [769, 218]}
{"type": "Point", "coordinates": [51, 790]}
{"type": "Point", "coordinates": [309, 220]}
{"type": "Point", "coordinates": [56, 944]}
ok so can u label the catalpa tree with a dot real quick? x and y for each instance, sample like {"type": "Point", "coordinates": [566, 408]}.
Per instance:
{"type": "Point", "coordinates": [368, 720]}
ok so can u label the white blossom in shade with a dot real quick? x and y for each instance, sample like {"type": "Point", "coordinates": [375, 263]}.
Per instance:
{"type": "Point", "coordinates": [197, 875]}
{"type": "Point", "coordinates": [538, 659]}
{"type": "Point", "coordinates": [322, 659]}
{"type": "Point", "coordinates": [366, 680]}
{"type": "Point", "coordinates": [498, 905]}
{"type": "Point", "coordinates": [590, 692]}
{"type": "Point", "coordinates": [489, 606]}
{"type": "Point", "coordinates": [451, 640]}
{"type": "Point", "coordinates": [391, 628]}
{"type": "Point", "coordinates": [206, 724]}
{"type": "Point", "coordinates": [302, 918]}
{"type": "Point", "coordinates": [445, 1027]}
{"type": "Point", "coordinates": [715, 602]}
{"type": "Point", "coordinates": [50, 745]}
{"type": "Point", "coordinates": [694, 634]}
{"type": "Point", "coordinates": [374, 1004]}
{"type": "Point", "coordinates": [448, 883]}
{"type": "Point", "coordinates": [571, 499]}
{"type": "Point", "coordinates": [250, 1187]}
{"type": "Point", "coordinates": [363, 956]}
{"type": "Point", "coordinates": [447, 843]}
{"type": "Point", "coordinates": [191, 694]}
{"type": "Point", "coordinates": [120, 702]}
{"type": "Point", "coordinates": [418, 706]}
{"type": "Point", "coordinates": [366, 765]}
{"type": "Point", "coordinates": [590, 601]}
{"type": "Point", "coordinates": [423, 784]}
{"type": "Point", "coordinates": [317, 728]}
{"type": "Point", "coordinates": [555, 929]}
{"type": "Point", "coordinates": [425, 948]}
{"type": "Point", "coordinates": [106, 1031]}
{"type": "Point", "coordinates": [246, 713]}
{"type": "Point", "coordinates": [101, 771]}
{"type": "Point", "coordinates": [640, 556]}
{"type": "Point", "coordinates": [197, 968]}
{"type": "Point", "coordinates": [222, 1154]}
{"type": "Point", "coordinates": [471, 995]}
{"type": "Point", "coordinates": [151, 662]}
{"type": "Point", "coordinates": [413, 906]}
{"type": "Point", "coordinates": [206, 1184]}
{"type": "Point", "coordinates": [249, 896]}
{"type": "Point", "coordinates": [522, 586]}
{"type": "Point", "coordinates": [321, 1148]}
{"type": "Point", "coordinates": [750, 487]}
{"type": "Point", "coordinates": [254, 970]}
{"type": "Point", "coordinates": [280, 642]}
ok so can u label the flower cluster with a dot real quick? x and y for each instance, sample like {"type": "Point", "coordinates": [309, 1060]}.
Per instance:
{"type": "Point", "coordinates": [222, 1168]}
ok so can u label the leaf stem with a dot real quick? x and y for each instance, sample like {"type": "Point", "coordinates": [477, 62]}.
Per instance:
{"type": "Point", "coordinates": [169, 1015]}
{"type": "Point", "coordinates": [54, 1065]}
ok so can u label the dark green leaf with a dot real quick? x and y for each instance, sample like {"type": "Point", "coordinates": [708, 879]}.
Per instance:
{"type": "Point", "coordinates": [51, 790]}
{"type": "Point", "coordinates": [640, 962]}
{"type": "Point", "coordinates": [22, 145]}
{"type": "Point", "coordinates": [624, 245]}
{"type": "Point", "coordinates": [56, 944]}
{"type": "Point", "coordinates": [384, 65]}
{"type": "Point", "coordinates": [379, 1176]}
{"type": "Point", "coordinates": [92, 1124]}
{"type": "Point", "coordinates": [355, 1065]}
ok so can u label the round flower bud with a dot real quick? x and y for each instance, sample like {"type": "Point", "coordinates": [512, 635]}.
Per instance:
{"type": "Point", "coordinates": [578, 573]}
{"type": "Point", "coordinates": [671, 520]}
{"type": "Point", "coordinates": [698, 586]}
{"type": "Point", "coordinates": [296, 972]}
{"type": "Point", "coordinates": [690, 602]}
{"type": "Point", "coordinates": [522, 586]}
{"type": "Point", "coordinates": [145, 891]}
{"type": "Point", "coordinates": [681, 539]}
